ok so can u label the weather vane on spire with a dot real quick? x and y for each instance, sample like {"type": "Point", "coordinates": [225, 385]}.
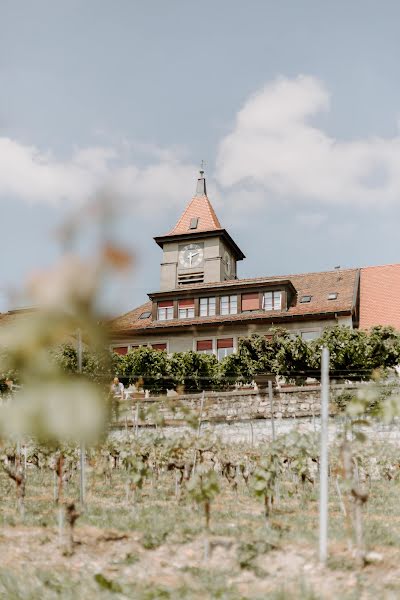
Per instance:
{"type": "Point", "coordinates": [201, 182]}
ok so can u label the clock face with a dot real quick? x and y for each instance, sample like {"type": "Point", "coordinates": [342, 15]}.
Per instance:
{"type": "Point", "coordinates": [227, 263]}
{"type": "Point", "coordinates": [191, 256]}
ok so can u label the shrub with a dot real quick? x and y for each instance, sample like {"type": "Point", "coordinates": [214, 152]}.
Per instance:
{"type": "Point", "coordinates": [147, 368]}
{"type": "Point", "coordinates": [192, 371]}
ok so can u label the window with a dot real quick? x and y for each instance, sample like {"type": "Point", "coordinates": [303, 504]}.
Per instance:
{"type": "Point", "coordinates": [250, 302]}
{"type": "Point", "coordinates": [272, 300]}
{"type": "Point", "coordinates": [204, 346]}
{"type": "Point", "coordinates": [159, 346]}
{"type": "Point", "coordinates": [307, 336]}
{"type": "Point", "coordinates": [121, 350]}
{"type": "Point", "coordinates": [228, 305]}
{"type": "Point", "coordinates": [145, 315]}
{"type": "Point", "coordinates": [186, 309]}
{"type": "Point", "coordinates": [193, 223]}
{"type": "Point", "coordinates": [332, 296]}
{"type": "Point", "coordinates": [224, 348]}
{"type": "Point", "coordinates": [207, 307]}
{"type": "Point", "coordinates": [165, 311]}
{"type": "Point", "coordinates": [305, 299]}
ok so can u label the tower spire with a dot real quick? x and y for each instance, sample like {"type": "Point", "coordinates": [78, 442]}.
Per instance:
{"type": "Point", "coordinates": [201, 189]}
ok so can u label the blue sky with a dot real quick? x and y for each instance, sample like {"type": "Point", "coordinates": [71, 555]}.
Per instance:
{"type": "Point", "coordinates": [294, 106]}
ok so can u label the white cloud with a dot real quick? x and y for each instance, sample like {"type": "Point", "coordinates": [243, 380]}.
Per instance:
{"type": "Point", "coordinates": [275, 146]}
{"type": "Point", "coordinates": [35, 176]}
{"type": "Point", "coordinates": [273, 150]}
{"type": "Point", "coordinates": [311, 220]}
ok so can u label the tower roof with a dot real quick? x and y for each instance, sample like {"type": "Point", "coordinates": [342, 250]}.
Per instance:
{"type": "Point", "coordinates": [199, 221]}
{"type": "Point", "coordinates": [199, 214]}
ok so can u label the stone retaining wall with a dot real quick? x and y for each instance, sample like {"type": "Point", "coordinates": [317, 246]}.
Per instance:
{"type": "Point", "coordinates": [242, 405]}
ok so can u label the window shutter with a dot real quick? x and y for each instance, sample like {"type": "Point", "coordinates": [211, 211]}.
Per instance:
{"type": "Point", "coordinates": [165, 304]}
{"type": "Point", "coordinates": [226, 343]}
{"type": "Point", "coordinates": [204, 345]}
{"type": "Point", "coordinates": [185, 303]}
{"type": "Point", "coordinates": [121, 350]}
{"type": "Point", "coordinates": [250, 301]}
{"type": "Point", "coordinates": [159, 346]}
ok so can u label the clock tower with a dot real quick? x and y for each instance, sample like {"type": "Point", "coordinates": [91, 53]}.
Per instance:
{"type": "Point", "coordinates": [197, 249]}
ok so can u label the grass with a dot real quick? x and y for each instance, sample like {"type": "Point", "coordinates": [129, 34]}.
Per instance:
{"type": "Point", "coordinates": [163, 553]}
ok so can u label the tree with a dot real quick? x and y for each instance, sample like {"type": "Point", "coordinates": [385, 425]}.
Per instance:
{"type": "Point", "coordinates": [255, 355]}
{"type": "Point", "coordinates": [147, 368]}
{"type": "Point", "coordinates": [192, 371]}
{"type": "Point", "coordinates": [96, 367]}
{"type": "Point", "coordinates": [384, 347]}
{"type": "Point", "coordinates": [280, 354]}
{"type": "Point", "coordinates": [355, 354]}
{"type": "Point", "coordinates": [293, 357]}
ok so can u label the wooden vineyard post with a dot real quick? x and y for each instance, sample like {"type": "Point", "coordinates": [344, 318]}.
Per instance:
{"type": "Point", "coordinates": [82, 474]}
{"type": "Point", "coordinates": [198, 431]}
{"type": "Point", "coordinates": [271, 404]}
{"type": "Point", "coordinates": [251, 433]}
{"type": "Point", "coordinates": [137, 419]}
{"type": "Point", "coordinates": [323, 481]}
{"type": "Point", "coordinates": [82, 445]}
{"type": "Point", "coordinates": [201, 413]}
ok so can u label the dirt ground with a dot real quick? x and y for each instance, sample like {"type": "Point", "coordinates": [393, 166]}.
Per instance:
{"type": "Point", "coordinates": [115, 563]}
{"type": "Point", "coordinates": [158, 549]}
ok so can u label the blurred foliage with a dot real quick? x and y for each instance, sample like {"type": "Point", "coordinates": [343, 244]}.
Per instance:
{"type": "Point", "coordinates": [54, 402]}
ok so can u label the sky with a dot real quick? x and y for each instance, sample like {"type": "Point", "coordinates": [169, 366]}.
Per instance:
{"type": "Point", "coordinates": [293, 106]}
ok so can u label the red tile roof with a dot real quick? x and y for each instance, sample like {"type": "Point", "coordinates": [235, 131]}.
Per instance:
{"type": "Point", "coordinates": [199, 207]}
{"type": "Point", "coordinates": [316, 285]}
{"type": "Point", "coordinates": [380, 296]}
{"type": "Point", "coordinates": [131, 319]}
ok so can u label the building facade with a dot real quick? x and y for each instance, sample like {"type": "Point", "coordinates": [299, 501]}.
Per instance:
{"type": "Point", "coordinates": [203, 306]}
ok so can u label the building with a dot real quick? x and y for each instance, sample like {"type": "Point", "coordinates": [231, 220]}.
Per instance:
{"type": "Point", "coordinates": [380, 296]}
{"type": "Point", "coordinates": [203, 306]}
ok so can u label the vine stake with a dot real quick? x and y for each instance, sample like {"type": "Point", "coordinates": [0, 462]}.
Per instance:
{"type": "Point", "coordinates": [323, 489]}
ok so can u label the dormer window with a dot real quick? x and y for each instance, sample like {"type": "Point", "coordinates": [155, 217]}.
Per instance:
{"type": "Point", "coordinates": [207, 307]}
{"type": "Point", "coordinates": [165, 310]}
{"type": "Point", "coordinates": [228, 305]}
{"type": "Point", "coordinates": [194, 223]}
{"type": "Point", "coordinates": [145, 315]}
{"type": "Point", "coordinates": [332, 296]}
{"type": "Point", "coordinates": [250, 302]}
{"type": "Point", "coordinates": [272, 300]}
{"type": "Point", "coordinates": [186, 309]}
{"type": "Point", "coordinates": [305, 299]}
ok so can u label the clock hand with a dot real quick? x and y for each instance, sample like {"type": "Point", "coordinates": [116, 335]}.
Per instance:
{"type": "Point", "coordinates": [192, 254]}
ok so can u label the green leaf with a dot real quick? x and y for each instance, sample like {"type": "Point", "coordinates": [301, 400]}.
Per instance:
{"type": "Point", "coordinates": [107, 584]}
